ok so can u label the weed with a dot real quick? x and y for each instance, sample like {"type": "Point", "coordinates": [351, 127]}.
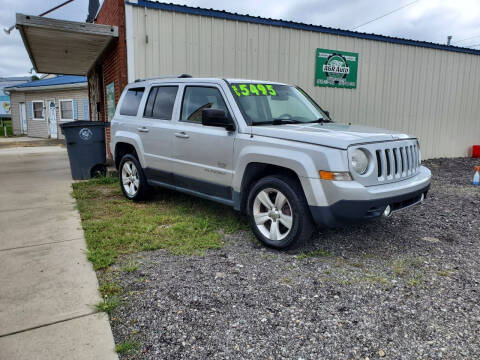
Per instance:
{"type": "Point", "coordinates": [399, 268]}
{"type": "Point", "coordinates": [412, 282]}
{"type": "Point", "coordinates": [443, 273]}
{"type": "Point", "coordinates": [110, 289]}
{"type": "Point", "coordinates": [127, 346]}
{"type": "Point", "coordinates": [131, 266]}
{"type": "Point", "coordinates": [108, 304]}
{"type": "Point", "coordinates": [368, 278]}
{"type": "Point", "coordinates": [312, 254]}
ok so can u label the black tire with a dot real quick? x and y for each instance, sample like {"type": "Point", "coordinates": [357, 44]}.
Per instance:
{"type": "Point", "coordinates": [302, 225]}
{"type": "Point", "coordinates": [143, 190]}
{"type": "Point", "coordinates": [99, 170]}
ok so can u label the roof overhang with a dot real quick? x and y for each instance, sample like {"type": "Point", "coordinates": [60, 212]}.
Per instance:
{"type": "Point", "coordinates": [48, 87]}
{"type": "Point", "coordinates": [63, 47]}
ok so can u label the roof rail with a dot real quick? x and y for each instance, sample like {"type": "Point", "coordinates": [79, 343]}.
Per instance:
{"type": "Point", "coordinates": [181, 76]}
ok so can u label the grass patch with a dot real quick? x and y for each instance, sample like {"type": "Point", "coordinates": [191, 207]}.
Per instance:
{"type": "Point", "coordinates": [9, 127]}
{"type": "Point", "coordinates": [399, 268]}
{"type": "Point", "coordinates": [443, 273]}
{"type": "Point", "coordinates": [178, 223]}
{"type": "Point", "coordinates": [414, 281]}
{"type": "Point", "coordinates": [131, 266]}
{"type": "Point", "coordinates": [108, 304]}
{"type": "Point", "coordinates": [127, 346]}
{"type": "Point", "coordinates": [312, 254]}
{"type": "Point", "coordinates": [368, 278]}
{"type": "Point", "coordinates": [109, 289]}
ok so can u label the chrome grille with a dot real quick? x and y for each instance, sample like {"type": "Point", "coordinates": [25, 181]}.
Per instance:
{"type": "Point", "coordinates": [397, 162]}
{"type": "Point", "coordinates": [391, 161]}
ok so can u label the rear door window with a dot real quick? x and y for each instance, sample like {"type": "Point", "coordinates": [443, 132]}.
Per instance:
{"type": "Point", "coordinates": [160, 102]}
{"type": "Point", "coordinates": [131, 101]}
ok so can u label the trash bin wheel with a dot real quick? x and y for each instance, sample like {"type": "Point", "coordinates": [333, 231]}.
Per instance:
{"type": "Point", "coordinates": [99, 170]}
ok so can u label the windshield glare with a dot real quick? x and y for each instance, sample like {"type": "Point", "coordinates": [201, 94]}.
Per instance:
{"type": "Point", "coordinates": [265, 103]}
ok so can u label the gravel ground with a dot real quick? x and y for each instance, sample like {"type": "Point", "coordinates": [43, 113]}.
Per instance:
{"type": "Point", "coordinates": [406, 287]}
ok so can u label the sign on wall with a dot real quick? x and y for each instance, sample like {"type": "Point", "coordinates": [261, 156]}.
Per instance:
{"type": "Point", "coordinates": [110, 100]}
{"type": "Point", "coordinates": [5, 105]}
{"type": "Point", "coordinates": [336, 68]}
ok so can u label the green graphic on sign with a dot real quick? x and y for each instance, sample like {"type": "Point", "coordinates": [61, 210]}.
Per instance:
{"type": "Point", "coordinates": [110, 101]}
{"type": "Point", "coordinates": [336, 68]}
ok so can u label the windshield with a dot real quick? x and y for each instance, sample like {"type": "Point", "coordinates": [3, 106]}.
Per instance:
{"type": "Point", "coordinates": [276, 104]}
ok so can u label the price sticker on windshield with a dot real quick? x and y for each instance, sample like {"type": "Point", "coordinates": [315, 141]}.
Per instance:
{"type": "Point", "coordinates": [254, 90]}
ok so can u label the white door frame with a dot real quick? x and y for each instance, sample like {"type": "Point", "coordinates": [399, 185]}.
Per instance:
{"type": "Point", "coordinates": [52, 125]}
{"type": "Point", "coordinates": [23, 118]}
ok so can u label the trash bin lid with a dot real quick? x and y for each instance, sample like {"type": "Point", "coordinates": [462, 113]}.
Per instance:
{"type": "Point", "coordinates": [84, 123]}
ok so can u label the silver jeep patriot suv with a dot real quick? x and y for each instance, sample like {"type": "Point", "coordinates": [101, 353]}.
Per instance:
{"type": "Point", "coordinates": [265, 148]}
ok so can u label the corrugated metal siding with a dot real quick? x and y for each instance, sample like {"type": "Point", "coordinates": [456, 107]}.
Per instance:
{"type": "Point", "coordinates": [429, 93]}
{"type": "Point", "coordinates": [39, 128]}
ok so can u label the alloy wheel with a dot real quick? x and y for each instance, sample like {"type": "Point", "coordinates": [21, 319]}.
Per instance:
{"type": "Point", "coordinates": [130, 178]}
{"type": "Point", "coordinates": [273, 214]}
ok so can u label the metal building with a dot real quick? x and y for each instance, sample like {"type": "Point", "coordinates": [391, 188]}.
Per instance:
{"type": "Point", "coordinates": [425, 89]}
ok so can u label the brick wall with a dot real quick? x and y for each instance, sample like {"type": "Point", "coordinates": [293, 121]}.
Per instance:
{"type": "Point", "coordinates": [114, 65]}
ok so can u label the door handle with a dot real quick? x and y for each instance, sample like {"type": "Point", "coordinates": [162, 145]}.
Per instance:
{"type": "Point", "coordinates": [143, 129]}
{"type": "Point", "coordinates": [182, 135]}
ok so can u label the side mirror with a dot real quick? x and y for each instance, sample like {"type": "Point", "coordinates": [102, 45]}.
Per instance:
{"type": "Point", "coordinates": [217, 117]}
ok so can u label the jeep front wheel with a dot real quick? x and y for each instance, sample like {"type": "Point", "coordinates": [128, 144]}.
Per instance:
{"type": "Point", "coordinates": [278, 212]}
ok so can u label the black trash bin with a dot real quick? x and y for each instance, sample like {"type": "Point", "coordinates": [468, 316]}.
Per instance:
{"type": "Point", "coordinates": [86, 148]}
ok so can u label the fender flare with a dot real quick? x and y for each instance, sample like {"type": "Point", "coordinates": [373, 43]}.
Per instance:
{"type": "Point", "coordinates": [131, 139]}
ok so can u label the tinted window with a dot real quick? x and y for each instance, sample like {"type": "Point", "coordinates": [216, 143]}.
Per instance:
{"type": "Point", "coordinates": [150, 101]}
{"type": "Point", "coordinates": [198, 98]}
{"type": "Point", "coordinates": [131, 101]}
{"type": "Point", "coordinates": [164, 101]}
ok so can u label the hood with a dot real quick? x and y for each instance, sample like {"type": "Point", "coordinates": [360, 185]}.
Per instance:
{"type": "Point", "coordinates": [330, 134]}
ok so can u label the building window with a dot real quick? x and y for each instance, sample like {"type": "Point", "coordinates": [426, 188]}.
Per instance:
{"type": "Point", "coordinates": [38, 110]}
{"type": "Point", "coordinates": [66, 109]}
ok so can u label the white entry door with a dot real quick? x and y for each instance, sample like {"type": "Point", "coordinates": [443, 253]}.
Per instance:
{"type": "Point", "coordinates": [23, 118]}
{"type": "Point", "coordinates": [52, 119]}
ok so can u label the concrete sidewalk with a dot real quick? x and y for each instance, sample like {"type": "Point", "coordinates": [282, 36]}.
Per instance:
{"type": "Point", "coordinates": [47, 286]}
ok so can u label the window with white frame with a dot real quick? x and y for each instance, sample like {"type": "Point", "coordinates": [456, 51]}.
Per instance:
{"type": "Point", "coordinates": [38, 110]}
{"type": "Point", "coordinates": [66, 109]}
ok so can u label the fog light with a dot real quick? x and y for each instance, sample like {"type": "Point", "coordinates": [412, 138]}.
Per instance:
{"type": "Point", "coordinates": [387, 211]}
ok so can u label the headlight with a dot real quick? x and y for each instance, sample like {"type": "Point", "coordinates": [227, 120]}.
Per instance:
{"type": "Point", "coordinates": [359, 161]}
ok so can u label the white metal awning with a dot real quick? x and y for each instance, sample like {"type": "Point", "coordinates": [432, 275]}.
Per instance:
{"type": "Point", "coordinates": [63, 47]}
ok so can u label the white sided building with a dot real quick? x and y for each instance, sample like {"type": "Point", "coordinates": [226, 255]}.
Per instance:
{"type": "Point", "coordinates": [425, 89]}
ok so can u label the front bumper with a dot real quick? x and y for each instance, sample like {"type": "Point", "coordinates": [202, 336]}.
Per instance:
{"type": "Point", "coordinates": [361, 203]}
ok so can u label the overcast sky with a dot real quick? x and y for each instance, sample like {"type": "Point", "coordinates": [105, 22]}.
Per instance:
{"type": "Point", "coordinates": [428, 20]}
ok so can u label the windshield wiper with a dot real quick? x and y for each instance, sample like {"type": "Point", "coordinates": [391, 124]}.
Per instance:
{"type": "Point", "coordinates": [278, 122]}
{"type": "Point", "coordinates": [320, 120]}
{"type": "Point", "coordinates": [285, 121]}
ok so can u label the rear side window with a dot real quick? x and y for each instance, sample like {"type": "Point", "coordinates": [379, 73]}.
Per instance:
{"type": "Point", "coordinates": [131, 101]}
{"type": "Point", "coordinates": [160, 102]}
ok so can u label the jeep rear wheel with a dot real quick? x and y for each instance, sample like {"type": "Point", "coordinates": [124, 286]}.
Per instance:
{"type": "Point", "coordinates": [132, 180]}
{"type": "Point", "coordinates": [278, 212]}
